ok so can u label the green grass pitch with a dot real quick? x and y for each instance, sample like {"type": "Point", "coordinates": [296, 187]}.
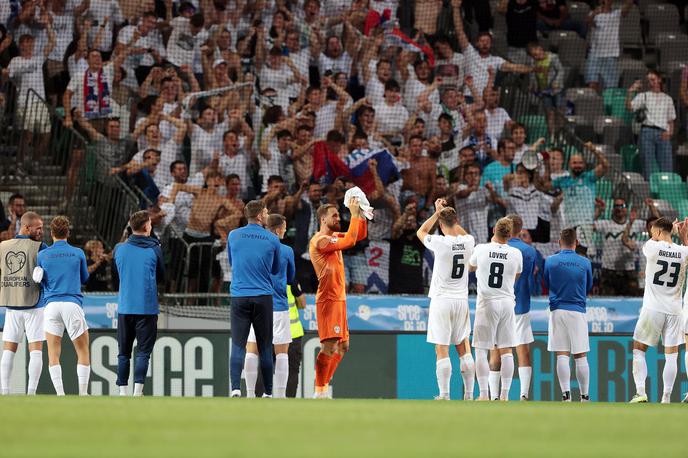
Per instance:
{"type": "Point", "coordinates": [175, 427]}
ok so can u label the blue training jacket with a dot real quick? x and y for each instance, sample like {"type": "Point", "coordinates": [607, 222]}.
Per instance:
{"type": "Point", "coordinates": [522, 285]}
{"type": "Point", "coordinates": [569, 279]}
{"type": "Point", "coordinates": [64, 271]}
{"type": "Point", "coordinates": [287, 271]}
{"type": "Point", "coordinates": [254, 254]}
{"type": "Point", "coordinates": [140, 265]}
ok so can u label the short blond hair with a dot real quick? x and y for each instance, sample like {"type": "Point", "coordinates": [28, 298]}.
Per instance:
{"type": "Point", "coordinates": [59, 227]}
{"type": "Point", "coordinates": [504, 228]}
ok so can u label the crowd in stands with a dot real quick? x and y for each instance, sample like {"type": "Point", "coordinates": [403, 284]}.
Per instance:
{"type": "Point", "coordinates": [412, 87]}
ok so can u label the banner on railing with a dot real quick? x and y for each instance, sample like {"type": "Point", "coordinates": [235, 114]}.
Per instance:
{"type": "Point", "coordinates": [410, 313]}
{"type": "Point", "coordinates": [405, 313]}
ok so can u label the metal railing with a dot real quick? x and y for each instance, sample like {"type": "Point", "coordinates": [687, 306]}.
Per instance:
{"type": "Point", "coordinates": [63, 173]}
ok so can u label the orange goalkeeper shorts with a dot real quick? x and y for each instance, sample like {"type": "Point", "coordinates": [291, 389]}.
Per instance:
{"type": "Point", "coordinates": [332, 322]}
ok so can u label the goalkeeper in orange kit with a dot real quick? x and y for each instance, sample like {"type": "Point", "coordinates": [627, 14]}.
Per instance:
{"type": "Point", "coordinates": [325, 249]}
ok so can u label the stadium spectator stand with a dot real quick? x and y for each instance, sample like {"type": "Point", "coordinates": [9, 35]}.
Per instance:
{"type": "Point", "coordinates": [294, 101]}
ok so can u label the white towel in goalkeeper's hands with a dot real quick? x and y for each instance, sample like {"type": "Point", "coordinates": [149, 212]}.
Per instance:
{"type": "Point", "coordinates": [366, 209]}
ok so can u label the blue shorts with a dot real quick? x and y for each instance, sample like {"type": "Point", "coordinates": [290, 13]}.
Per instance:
{"type": "Point", "coordinates": [605, 68]}
{"type": "Point", "coordinates": [356, 269]}
{"type": "Point", "coordinates": [552, 101]}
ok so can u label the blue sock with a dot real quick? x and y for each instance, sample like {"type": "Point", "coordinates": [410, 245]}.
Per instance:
{"type": "Point", "coordinates": [141, 367]}
{"type": "Point", "coordinates": [236, 366]}
{"type": "Point", "coordinates": [266, 368]}
{"type": "Point", "coordinates": [123, 363]}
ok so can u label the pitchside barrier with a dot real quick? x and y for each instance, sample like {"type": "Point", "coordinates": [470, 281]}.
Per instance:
{"type": "Point", "coordinates": [389, 356]}
{"type": "Point", "coordinates": [388, 365]}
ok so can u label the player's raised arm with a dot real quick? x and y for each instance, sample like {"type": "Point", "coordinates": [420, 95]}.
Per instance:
{"type": "Point", "coordinates": [427, 226]}
{"type": "Point", "coordinates": [362, 229]}
{"type": "Point", "coordinates": [329, 244]}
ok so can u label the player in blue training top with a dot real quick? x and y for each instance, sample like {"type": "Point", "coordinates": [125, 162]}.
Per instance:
{"type": "Point", "coordinates": [254, 254]}
{"type": "Point", "coordinates": [569, 279]}
{"type": "Point", "coordinates": [524, 332]}
{"type": "Point", "coordinates": [281, 324]}
{"type": "Point", "coordinates": [62, 270]}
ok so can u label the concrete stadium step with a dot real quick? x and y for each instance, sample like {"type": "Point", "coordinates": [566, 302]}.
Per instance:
{"type": "Point", "coordinates": [36, 193]}
{"type": "Point", "coordinates": [49, 170]}
{"type": "Point", "coordinates": [50, 180]}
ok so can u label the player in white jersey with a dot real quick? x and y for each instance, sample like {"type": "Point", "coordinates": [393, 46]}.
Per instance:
{"type": "Point", "coordinates": [660, 314]}
{"type": "Point", "coordinates": [497, 267]}
{"type": "Point", "coordinates": [449, 321]}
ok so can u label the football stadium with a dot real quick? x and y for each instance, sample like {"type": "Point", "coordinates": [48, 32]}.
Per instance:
{"type": "Point", "coordinates": [431, 224]}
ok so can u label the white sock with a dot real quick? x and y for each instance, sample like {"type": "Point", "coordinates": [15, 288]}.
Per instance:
{"type": "Point", "coordinates": [6, 363]}
{"type": "Point", "coordinates": [443, 370]}
{"type": "Point", "coordinates": [251, 374]}
{"type": "Point", "coordinates": [507, 373]}
{"type": "Point", "coordinates": [281, 375]}
{"type": "Point", "coordinates": [138, 389]}
{"type": "Point", "coordinates": [583, 375]}
{"type": "Point", "coordinates": [494, 384]}
{"type": "Point", "coordinates": [83, 373]}
{"type": "Point", "coordinates": [669, 374]}
{"type": "Point", "coordinates": [639, 371]}
{"type": "Point", "coordinates": [35, 369]}
{"type": "Point", "coordinates": [524, 374]}
{"type": "Point", "coordinates": [482, 370]}
{"type": "Point", "coordinates": [564, 373]}
{"type": "Point", "coordinates": [56, 377]}
{"type": "Point", "coordinates": [467, 366]}
{"type": "Point", "coordinates": [123, 390]}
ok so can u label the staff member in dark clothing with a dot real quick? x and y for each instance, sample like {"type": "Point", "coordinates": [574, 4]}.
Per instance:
{"type": "Point", "coordinates": [406, 255]}
{"type": "Point", "coordinates": [254, 254]}
{"type": "Point", "coordinates": [139, 264]}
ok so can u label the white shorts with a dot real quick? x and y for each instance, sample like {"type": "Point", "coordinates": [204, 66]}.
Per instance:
{"type": "Point", "coordinates": [19, 321]}
{"type": "Point", "coordinates": [35, 117]}
{"type": "Point", "coordinates": [653, 324]}
{"type": "Point", "coordinates": [495, 324]}
{"type": "Point", "coordinates": [524, 332]}
{"type": "Point", "coordinates": [568, 331]}
{"type": "Point", "coordinates": [65, 315]}
{"type": "Point", "coordinates": [449, 321]}
{"type": "Point", "coordinates": [281, 329]}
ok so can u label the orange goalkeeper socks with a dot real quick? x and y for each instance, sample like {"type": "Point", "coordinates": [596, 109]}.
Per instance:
{"type": "Point", "coordinates": [334, 363]}
{"type": "Point", "coordinates": [322, 370]}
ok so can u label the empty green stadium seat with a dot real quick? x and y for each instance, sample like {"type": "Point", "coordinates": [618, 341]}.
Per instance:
{"type": "Point", "coordinates": [630, 158]}
{"type": "Point", "coordinates": [662, 177]}
{"type": "Point", "coordinates": [604, 188]}
{"type": "Point", "coordinates": [682, 208]}
{"type": "Point", "coordinates": [615, 104]}
{"type": "Point", "coordinates": [536, 126]}
{"type": "Point", "coordinates": [673, 192]}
